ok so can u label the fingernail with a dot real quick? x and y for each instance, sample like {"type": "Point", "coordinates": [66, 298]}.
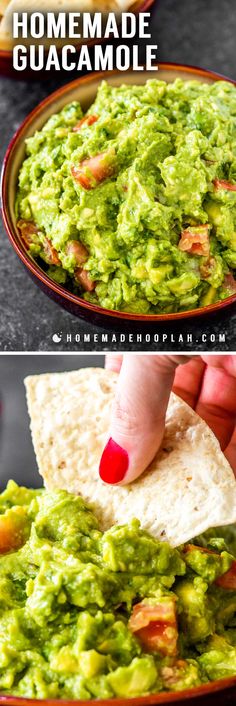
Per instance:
{"type": "Point", "coordinates": [114, 463]}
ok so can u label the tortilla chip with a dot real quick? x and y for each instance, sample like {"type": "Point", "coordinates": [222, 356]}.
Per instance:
{"type": "Point", "coordinates": [188, 487]}
{"type": "Point", "coordinates": [3, 6]}
{"type": "Point", "coordinates": [68, 6]}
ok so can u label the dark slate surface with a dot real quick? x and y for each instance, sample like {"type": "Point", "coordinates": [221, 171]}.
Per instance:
{"type": "Point", "coordinates": [187, 31]}
{"type": "Point", "coordinates": [17, 458]}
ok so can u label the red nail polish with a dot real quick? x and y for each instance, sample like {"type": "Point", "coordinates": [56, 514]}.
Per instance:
{"type": "Point", "coordinates": [114, 463]}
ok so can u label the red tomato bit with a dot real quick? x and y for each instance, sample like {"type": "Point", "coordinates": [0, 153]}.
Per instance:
{"type": "Point", "coordinates": [94, 170]}
{"type": "Point", "coordinates": [28, 231]}
{"type": "Point", "coordinates": [195, 240]}
{"type": "Point", "coordinates": [87, 120]}
{"type": "Point", "coordinates": [83, 278]}
{"type": "Point", "coordinates": [76, 249]}
{"type": "Point", "coordinates": [156, 626]}
{"type": "Point", "coordinates": [228, 580]}
{"type": "Point", "coordinates": [50, 252]}
{"type": "Point", "coordinates": [13, 527]}
{"type": "Point", "coordinates": [226, 185]}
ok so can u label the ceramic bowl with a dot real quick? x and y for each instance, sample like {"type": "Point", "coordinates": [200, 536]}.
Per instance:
{"type": "Point", "coordinates": [218, 693]}
{"type": "Point", "coordinates": [84, 89]}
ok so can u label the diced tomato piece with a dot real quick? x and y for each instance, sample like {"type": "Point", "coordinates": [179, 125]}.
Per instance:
{"type": "Point", "coordinates": [94, 170]}
{"type": "Point", "coordinates": [195, 240]}
{"type": "Point", "coordinates": [12, 530]}
{"type": "Point", "coordinates": [28, 231]}
{"type": "Point", "coordinates": [51, 253]}
{"type": "Point", "coordinates": [226, 185]}
{"type": "Point", "coordinates": [228, 580]}
{"type": "Point", "coordinates": [143, 613]}
{"type": "Point", "coordinates": [84, 180]}
{"type": "Point", "coordinates": [83, 278]}
{"type": "Point", "coordinates": [158, 637]}
{"type": "Point", "coordinates": [87, 120]}
{"type": "Point", "coordinates": [78, 250]}
{"type": "Point", "coordinates": [156, 626]}
{"type": "Point", "coordinates": [230, 283]}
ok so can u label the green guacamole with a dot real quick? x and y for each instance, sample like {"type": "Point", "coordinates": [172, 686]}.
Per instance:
{"type": "Point", "coordinates": [145, 185]}
{"type": "Point", "coordinates": [87, 614]}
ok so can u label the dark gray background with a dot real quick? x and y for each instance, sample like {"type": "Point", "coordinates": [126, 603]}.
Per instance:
{"type": "Point", "coordinates": [197, 32]}
{"type": "Point", "coordinates": [17, 458]}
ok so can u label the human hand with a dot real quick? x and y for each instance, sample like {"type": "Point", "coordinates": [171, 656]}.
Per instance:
{"type": "Point", "coordinates": [207, 383]}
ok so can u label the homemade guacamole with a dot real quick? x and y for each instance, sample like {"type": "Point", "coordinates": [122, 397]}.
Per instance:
{"type": "Point", "coordinates": [133, 205]}
{"type": "Point", "coordinates": [88, 614]}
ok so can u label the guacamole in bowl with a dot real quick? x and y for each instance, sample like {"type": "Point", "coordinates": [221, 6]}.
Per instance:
{"type": "Point", "coordinates": [132, 205]}
{"type": "Point", "coordinates": [89, 614]}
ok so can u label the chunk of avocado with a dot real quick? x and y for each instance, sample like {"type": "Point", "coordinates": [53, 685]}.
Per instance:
{"type": "Point", "coordinates": [138, 678]}
{"type": "Point", "coordinates": [91, 663]}
{"type": "Point", "coordinates": [196, 616]}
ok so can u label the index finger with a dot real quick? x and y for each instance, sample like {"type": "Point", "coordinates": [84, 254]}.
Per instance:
{"type": "Point", "coordinates": [113, 361]}
{"type": "Point", "coordinates": [188, 380]}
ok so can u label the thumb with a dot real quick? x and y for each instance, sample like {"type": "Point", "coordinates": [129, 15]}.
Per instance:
{"type": "Point", "coordinates": [138, 418]}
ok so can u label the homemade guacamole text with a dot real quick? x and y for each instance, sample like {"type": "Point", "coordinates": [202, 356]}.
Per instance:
{"type": "Point", "coordinates": [133, 205]}
{"type": "Point", "coordinates": [86, 614]}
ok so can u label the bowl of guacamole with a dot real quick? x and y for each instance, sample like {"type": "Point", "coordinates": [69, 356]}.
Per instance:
{"type": "Point", "coordinates": [120, 194]}
{"type": "Point", "coordinates": [91, 615]}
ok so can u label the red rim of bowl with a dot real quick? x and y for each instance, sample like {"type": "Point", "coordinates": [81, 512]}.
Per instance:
{"type": "Point", "coordinates": [151, 700]}
{"type": "Point", "coordinates": [31, 265]}
{"type": "Point", "coordinates": [6, 54]}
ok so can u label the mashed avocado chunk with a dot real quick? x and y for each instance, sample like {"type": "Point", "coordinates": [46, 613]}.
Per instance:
{"type": "Point", "coordinates": [89, 614]}
{"type": "Point", "coordinates": [133, 205]}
